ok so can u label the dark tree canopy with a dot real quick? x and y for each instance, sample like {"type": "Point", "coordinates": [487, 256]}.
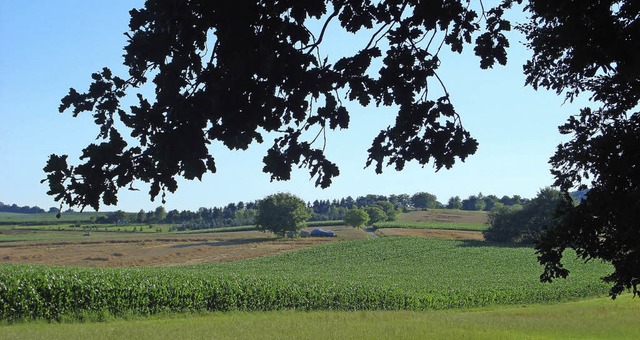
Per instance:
{"type": "Point", "coordinates": [524, 224]}
{"type": "Point", "coordinates": [424, 200]}
{"type": "Point", "coordinates": [594, 47]}
{"type": "Point", "coordinates": [230, 71]}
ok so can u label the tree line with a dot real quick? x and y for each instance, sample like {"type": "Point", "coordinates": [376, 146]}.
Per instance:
{"type": "Point", "coordinates": [379, 208]}
{"type": "Point", "coordinates": [14, 208]}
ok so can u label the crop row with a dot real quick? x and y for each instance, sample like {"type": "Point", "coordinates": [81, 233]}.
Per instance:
{"type": "Point", "coordinates": [387, 273]}
{"type": "Point", "coordinates": [28, 293]}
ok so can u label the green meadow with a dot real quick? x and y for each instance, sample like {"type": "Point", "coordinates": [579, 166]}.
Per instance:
{"type": "Point", "coordinates": [598, 318]}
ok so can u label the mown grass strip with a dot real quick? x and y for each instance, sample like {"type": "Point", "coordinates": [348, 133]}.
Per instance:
{"type": "Point", "coordinates": [219, 230]}
{"type": "Point", "coordinates": [594, 318]}
{"type": "Point", "coordinates": [331, 223]}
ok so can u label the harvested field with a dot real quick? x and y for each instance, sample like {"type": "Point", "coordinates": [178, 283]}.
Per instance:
{"type": "Point", "coordinates": [445, 215]}
{"type": "Point", "coordinates": [160, 250]}
{"type": "Point", "coordinates": [433, 233]}
{"type": "Point", "coordinates": [108, 249]}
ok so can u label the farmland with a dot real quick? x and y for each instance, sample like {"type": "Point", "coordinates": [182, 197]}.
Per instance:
{"type": "Point", "coordinates": [385, 273]}
{"type": "Point", "coordinates": [128, 249]}
{"type": "Point", "coordinates": [432, 225]}
{"type": "Point", "coordinates": [129, 274]}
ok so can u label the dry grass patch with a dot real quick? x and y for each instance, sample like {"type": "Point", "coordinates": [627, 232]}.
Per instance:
{"type": "Point", "coordinates": [433, 233]}
{"type": "Point", "coordinates": [445, 215]}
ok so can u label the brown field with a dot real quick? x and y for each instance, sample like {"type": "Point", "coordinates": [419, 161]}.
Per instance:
{"type": "Point", "coordinates": [443, 215]}
{"type": "Point", "coordinates": [436, 233]}
{"type": "Point", "coordinates": [109, 249]}
{"type": "Point", "coordinates": [161, 249]}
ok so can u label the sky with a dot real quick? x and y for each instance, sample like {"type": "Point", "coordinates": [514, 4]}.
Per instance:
{"type": "Point", "coordinates": [50, 46]}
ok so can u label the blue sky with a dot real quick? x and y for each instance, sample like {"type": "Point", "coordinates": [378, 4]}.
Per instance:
{"type": "Point", "coordinates": [48, 47]}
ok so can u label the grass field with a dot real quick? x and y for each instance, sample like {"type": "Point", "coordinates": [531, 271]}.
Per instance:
{"type": "Point", "coordinates": [589, 319]}
{"type": "Point", "coordinates": [69, 232]}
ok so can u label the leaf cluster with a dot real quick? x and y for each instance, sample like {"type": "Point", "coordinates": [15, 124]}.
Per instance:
{"type": "Point", "coordinates": [231, 72]}
{"type": "Point", "coordinates": [593, 47]}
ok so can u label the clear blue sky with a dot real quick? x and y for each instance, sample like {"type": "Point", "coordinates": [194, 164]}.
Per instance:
{"type": "Point", "coordinates": [50, 46]}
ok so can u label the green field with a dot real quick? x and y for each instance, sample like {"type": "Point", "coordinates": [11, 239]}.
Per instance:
{"type": "Point", "coordinates": [49, 232]}
{"type": "Point", "coordinates": [385, 273]}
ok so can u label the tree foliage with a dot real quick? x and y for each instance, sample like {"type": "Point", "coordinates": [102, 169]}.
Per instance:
{"type": "Point", "coordinates": [376, 214]}
{"type": "Point", "coordinates": [356, 218]}
{"type": "Point", "coordinates": [454, 203]}
{"type": "Point", "coordinates": [159, 214]}
{"type": "Point", "coordinates": [231, 72]}
{"type": "Point", "coordinates": [518, 223]}
{"type": "Point", "coordinates": [593, 46]}
{"type": "Point", "coordinates": [474, 202]}
{"type": "Point", "coordinates": [390, 211]}
{"type": "Point", "coordinates": [505, 223]}
{"type": "Point", "coordinates": [282, 213]}
{"type": "Point", "coordinates": [424, 200]}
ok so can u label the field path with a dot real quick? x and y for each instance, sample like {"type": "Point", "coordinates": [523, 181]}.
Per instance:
{"type": "Point", "coordinates": [371, 233]}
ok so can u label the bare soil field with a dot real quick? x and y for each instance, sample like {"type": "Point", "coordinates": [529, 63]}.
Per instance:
{"type": "Point", "coordinates": [161, 249]}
